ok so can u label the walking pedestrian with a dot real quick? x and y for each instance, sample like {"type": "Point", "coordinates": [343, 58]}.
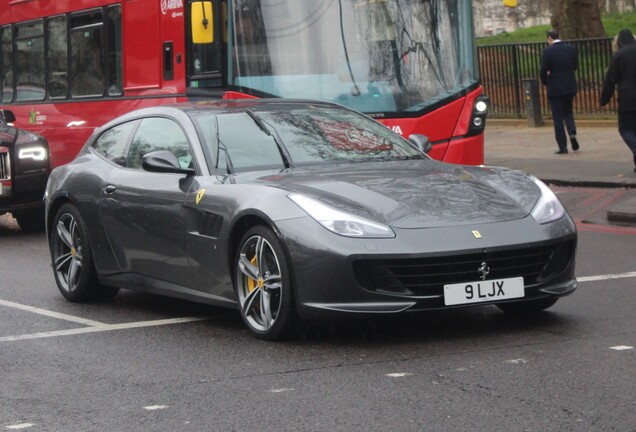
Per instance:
{"type": "Point", "coordinates": [558, 63]}
{"type": "Point", "coordinates": [621, 75]}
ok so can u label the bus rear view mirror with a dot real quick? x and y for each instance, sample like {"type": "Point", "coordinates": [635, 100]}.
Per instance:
{"type": "Point", "coordinates": [202, 22]}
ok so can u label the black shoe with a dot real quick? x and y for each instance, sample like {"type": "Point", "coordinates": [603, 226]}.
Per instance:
{"type": "Point", "coordinates": [561, 152]}
{"type": "Point", "coordinates": [575, 144]}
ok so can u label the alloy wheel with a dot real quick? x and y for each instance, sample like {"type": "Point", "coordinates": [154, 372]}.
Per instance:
{"type": "Point", "coordinates": [67, 252]}
{"type": "Point", "coordinates": [259, 279]}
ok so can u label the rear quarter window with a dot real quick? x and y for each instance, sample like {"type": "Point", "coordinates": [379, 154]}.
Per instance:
{"type": "Point", "coordinates": [113, 143]}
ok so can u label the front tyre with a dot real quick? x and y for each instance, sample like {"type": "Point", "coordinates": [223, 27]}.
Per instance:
{"type": "Point", "coordinates": [263, 285]}
{"type": "Point", "coordinates": [73, 265]}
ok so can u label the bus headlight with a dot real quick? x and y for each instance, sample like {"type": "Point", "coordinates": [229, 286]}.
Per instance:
{"type": "Point", "coordinates": [38, 153]}
{"type": "Point", "coordinates": [478, 119]}
{"type": "Point", "coordinates": [481, 106]}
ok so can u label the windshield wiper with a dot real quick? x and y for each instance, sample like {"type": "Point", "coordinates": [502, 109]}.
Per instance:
{"type": "Point", "coordinates": [228, 162]}
{"type": "Point", "coordinates": [262, 126]}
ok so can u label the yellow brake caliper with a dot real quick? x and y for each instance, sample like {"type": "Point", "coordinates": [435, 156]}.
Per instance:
{"type": "Point", "coordinates": [251, 283]}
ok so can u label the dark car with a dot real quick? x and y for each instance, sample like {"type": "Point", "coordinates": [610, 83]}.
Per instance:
{"type": "Point", "coordinates": [299, 210]}
{"type": "Point", "coordinates": [24, 169]}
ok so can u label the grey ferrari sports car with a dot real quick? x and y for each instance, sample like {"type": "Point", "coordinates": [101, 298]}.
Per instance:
{"type": "Point", "coordinates": [293, 211]}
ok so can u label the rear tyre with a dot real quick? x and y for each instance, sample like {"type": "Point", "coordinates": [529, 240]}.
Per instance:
{"type": "Point", "coordinates": [263, 285]}
{"type": "Point", "coordinates": [31, 220]}
{"type": "Point", "coordinates": [527, 306]}
{"type": "Point", "coordinates": [73, 264]}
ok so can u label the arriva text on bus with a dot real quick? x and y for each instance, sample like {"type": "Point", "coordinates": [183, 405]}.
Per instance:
{"type": "Point", "coordinates": [168, 5]}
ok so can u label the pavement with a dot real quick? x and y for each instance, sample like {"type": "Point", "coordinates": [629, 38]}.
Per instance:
{"type": "Point", "coordinates": [603, 160]}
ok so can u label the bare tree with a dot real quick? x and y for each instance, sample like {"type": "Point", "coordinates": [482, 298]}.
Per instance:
{"type": "Point", "coordinates": [577, 18]}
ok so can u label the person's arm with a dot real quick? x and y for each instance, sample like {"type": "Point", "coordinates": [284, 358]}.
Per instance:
{"type": "Point", "coordinates": [543, 72]}
{"type": "Point", "coordinates": [610, 82]}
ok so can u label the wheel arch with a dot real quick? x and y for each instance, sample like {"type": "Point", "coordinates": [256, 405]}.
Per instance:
{"type": "Point", "coordinates": [238, 230]}
{"type": "Point", "coordinates": [52, 209]}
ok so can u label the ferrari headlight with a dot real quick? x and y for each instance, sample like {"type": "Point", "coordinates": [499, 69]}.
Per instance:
{"type": "Point", "coordinates": [548, 208]}
{"type": "Point", "coordinates": [36, 153]}
{"type": "Point", "coordinates": [340, 222]}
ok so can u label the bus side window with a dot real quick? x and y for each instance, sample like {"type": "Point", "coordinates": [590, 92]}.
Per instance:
{"type": "Point", "coordinates": [87, 62]}
{"type": "Point", "coordinates": [29, 67]}
{"type": "Point", "coordinates": [57, 74]}
{"type": "Point", "coordinates": [115, 79]}
{"type": "Point", "coordinates": [6, 64]}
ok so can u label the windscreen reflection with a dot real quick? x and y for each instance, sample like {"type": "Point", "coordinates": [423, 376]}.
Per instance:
{"type": "Point", "coordinates": [308, 136]}
{"type": "Point", "coordinates": [371, 55]}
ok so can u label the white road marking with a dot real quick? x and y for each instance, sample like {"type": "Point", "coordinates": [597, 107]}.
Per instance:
{"type": "Point", "coordinates": [606, 277]}
{"type": "Point", "coordinates": [102, 328]}
{"type": "Point", "coordinates": [398, 374]}
{"type": "Point", "coordinates": [517, 361]}
{"type": "Point", "coordinates": [622, 347]}
{"type": "Point", "coordinates": [20, 426]}
{"type": "Point", "coordinates": [50, 313]}
{"type": "Point", "coordinates": [155, 407]}
{"type": "Point", "coordinates": [281, 390]}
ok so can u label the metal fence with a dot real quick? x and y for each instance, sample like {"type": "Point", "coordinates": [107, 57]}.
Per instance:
{"type": "Point", "coordinates": [505, 67]}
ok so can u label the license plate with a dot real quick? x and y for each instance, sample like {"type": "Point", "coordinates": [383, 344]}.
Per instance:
{"type": "Point", "coordinates": [483, 291]}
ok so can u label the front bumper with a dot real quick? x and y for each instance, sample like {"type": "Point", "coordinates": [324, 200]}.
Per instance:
{"type": "Point", "coordinates": [330, 280]}
{"type": "Point", "coordinates": [23, 193]}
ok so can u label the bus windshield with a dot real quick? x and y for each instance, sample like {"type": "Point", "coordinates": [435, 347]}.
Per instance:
{"type": "Point", "coordinates": [375, 56]}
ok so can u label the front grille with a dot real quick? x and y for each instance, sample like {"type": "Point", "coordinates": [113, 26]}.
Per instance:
{"type": "Point", "coordinates": [427, 276]}
{"type": "Point", "coordinates": [5, 168]}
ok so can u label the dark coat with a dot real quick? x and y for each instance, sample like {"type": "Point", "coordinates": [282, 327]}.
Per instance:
{"type": "Point", "coordinates": [558, 63]}
{"type": "Point", "coordinates": [622, 74]}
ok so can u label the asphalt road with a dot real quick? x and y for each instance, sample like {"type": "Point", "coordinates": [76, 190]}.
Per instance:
{"type": "Point", "coordinates": [146, 363]}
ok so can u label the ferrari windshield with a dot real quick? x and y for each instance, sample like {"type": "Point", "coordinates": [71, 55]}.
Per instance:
{"type": "Point", "coordinates": [387, 56]}
{"type": "Point", "coordinates": [290, 137]}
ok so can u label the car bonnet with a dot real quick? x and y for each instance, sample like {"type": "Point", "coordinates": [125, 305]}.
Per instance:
{"type": "Point", "coordinates": [415, 194]}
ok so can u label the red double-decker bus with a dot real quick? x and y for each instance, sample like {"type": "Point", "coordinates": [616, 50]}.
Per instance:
{"type": "Point", "coordinates": [68, 67]}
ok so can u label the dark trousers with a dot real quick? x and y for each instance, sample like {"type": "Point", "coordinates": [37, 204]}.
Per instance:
{"type": "Point", "coordinates": [561, 107]}
{"type": "Point", "coordinates": [627, 129]}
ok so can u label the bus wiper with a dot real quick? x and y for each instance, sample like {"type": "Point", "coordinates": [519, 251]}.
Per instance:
{"type": "Point", "coordinates": [262, 126]}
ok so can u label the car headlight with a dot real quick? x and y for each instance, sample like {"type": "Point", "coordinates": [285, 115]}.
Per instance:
{"type": "Point", "coordinates": [548, 208]}
{"type": "Point", "coordinates": [340, 222]}
{"type": "Point", "coordinates": [36, 153]}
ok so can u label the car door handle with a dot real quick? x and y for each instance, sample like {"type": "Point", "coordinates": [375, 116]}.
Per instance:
{"type": "Point", "coordinates": [109, 189]}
